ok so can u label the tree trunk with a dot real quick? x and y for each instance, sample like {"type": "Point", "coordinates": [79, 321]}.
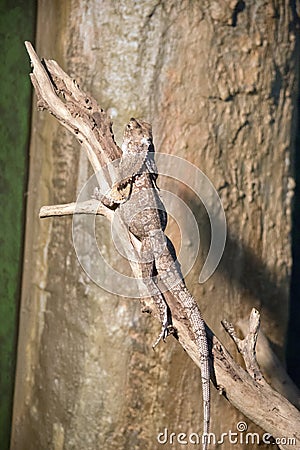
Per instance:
{"type": "Point", "coordinates": [218, 83]}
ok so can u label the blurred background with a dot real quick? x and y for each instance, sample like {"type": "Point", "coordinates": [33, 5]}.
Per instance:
{"type": "Point", "coordinates": [219, 82]}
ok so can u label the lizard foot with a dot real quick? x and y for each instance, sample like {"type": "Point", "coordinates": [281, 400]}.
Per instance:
{"type": "Point", "coordinates": [165, 332]}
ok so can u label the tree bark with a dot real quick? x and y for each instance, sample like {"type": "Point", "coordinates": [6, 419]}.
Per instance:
{"type": "Point", "coordinates": [218, 84]}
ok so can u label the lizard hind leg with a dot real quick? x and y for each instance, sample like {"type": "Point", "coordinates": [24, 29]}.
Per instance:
{"type": "Point", "coordinates": [166, 320]}
{"type": "Point", "coordinates": [159, 300]}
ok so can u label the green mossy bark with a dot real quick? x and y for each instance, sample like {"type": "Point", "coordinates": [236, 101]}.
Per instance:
{"type": "Point", "coordinates": [17, 23]}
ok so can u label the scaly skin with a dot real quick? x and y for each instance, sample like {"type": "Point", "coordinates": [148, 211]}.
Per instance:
{"type": "Point", "coordinates": [143, 212]}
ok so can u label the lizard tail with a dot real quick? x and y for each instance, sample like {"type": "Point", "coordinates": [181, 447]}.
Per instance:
{"type": "Point", "coordinates": [205, 379]}
{"type": "Point", "coordinates": [198, 326]}
{"type": "Point", "coordinates": [206, 415]}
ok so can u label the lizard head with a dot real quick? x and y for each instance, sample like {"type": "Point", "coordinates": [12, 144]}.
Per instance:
{"type": "Point", "coordinates": [137, 136]}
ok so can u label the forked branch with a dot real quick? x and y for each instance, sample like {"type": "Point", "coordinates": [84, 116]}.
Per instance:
{"type": "Point", "coordinates": [246, 390]}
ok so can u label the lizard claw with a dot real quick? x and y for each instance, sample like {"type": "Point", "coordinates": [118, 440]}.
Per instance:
{"type": "Point", "coordinates": [165, 332]}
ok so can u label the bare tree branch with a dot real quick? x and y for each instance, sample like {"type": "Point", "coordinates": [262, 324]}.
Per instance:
{"type": "Point", "coordinates": [93, 207]}
{"type": "Point", "coordinates": [246, 390]}
{"type": "Point", "coordinates": [247, 345]}
{"type": "Point", "coordinates": [271, 367]}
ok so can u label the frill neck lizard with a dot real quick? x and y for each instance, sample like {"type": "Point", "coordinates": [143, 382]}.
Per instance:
{"type": "Point", "coordinates": [139, 204]}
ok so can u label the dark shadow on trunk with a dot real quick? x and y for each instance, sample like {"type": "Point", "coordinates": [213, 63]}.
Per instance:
{"type": "Point", "coordinates": [293, 337]}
